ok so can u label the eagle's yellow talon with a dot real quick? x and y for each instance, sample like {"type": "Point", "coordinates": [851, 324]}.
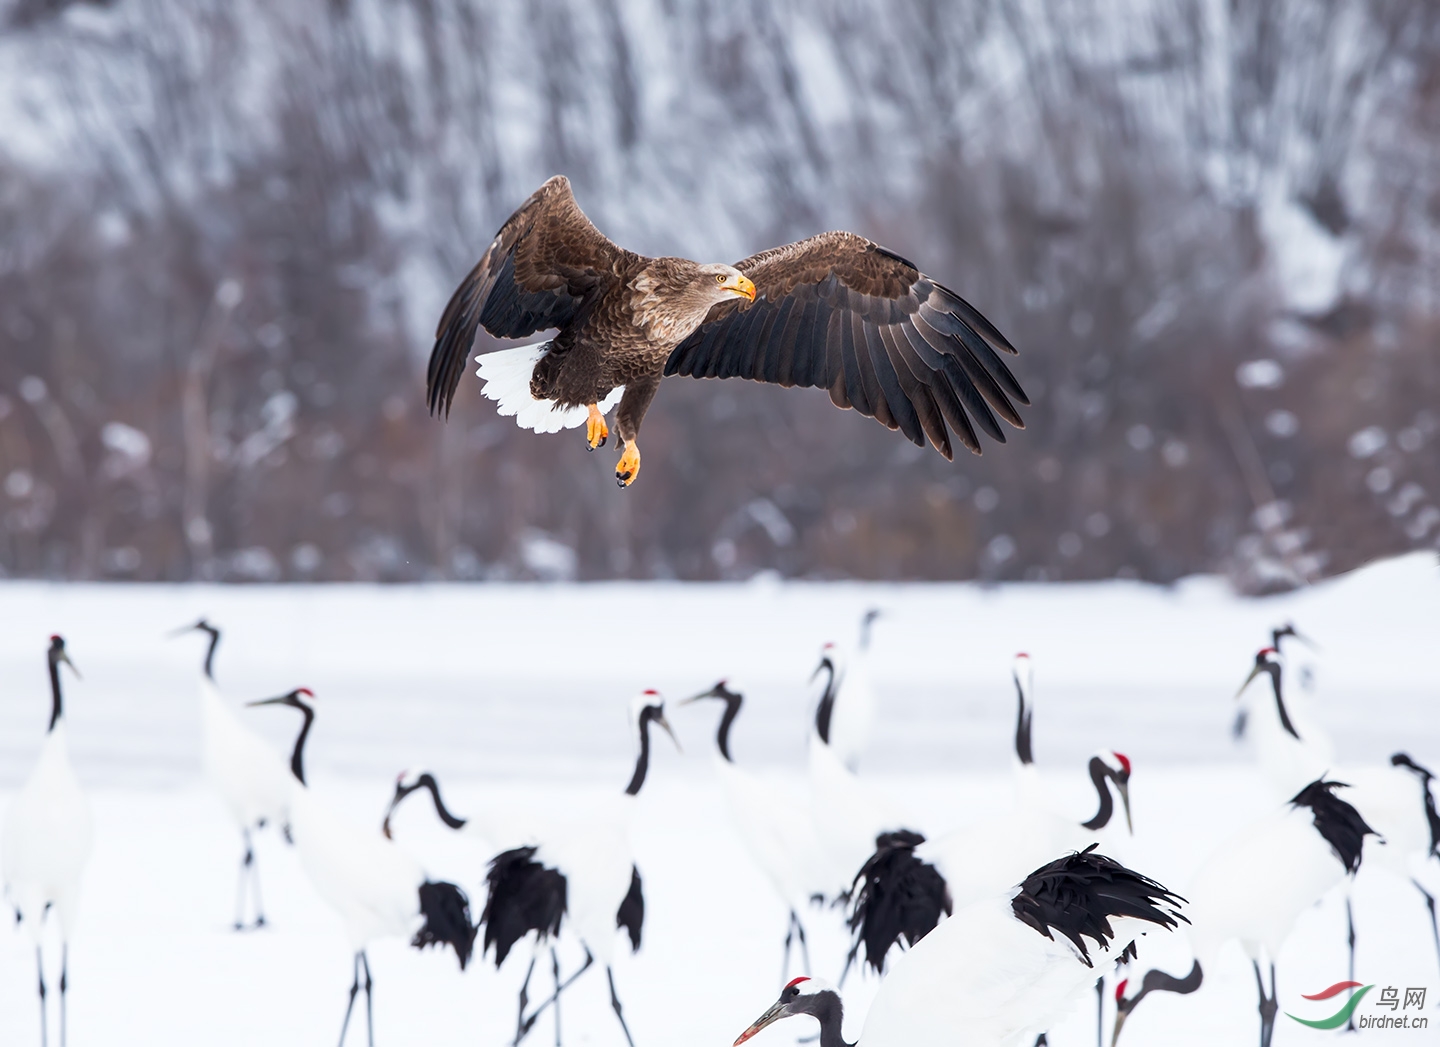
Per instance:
{"type": "Point", "coordinates": [629, 465]}
{"type": "Point", "coordinates": [595, 428]}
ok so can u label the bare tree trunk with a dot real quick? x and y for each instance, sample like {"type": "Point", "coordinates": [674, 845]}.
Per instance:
{"type": "Point", "coordinates": [195, 416]}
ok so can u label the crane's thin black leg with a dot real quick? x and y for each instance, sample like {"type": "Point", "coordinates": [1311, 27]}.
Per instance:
{"type": "Point", "coordinates": [246, 861]}
{"type": "Point", "coordinates": [64, 965]}
{"type": "Point", "coordinates": [354, 989]}
{"type": "Point", "coordinates": [1430, 904]}
{"type": "Point", "coordinates": [845, 971]}
{"type": "Point", "coordinates": [369, 1000]}
{"type": "Point", "coordinates": [530, 1021]}
{"type": "Point", "coordinates": [521, 1025]}
{"type": "Point", "coordinates": [40, 967]}
{"type": "Point", "coordinates": [1350, 923]}
{"type": "Point", "coordinates": [1268, 1004]}
{"type": "Point", "coordinates": [555, 971]}
{"type": "Point", "coordinates": [615, 1003]}
{"type": "Point", "coordinates": [255, 885]}
{"type": "Point", "coordinates": [1100, 1011]}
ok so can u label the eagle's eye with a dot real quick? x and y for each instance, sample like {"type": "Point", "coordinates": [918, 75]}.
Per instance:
{"type": "Point", "coordinates": [719, 278]}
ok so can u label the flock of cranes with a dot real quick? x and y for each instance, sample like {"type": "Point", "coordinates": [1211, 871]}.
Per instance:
{"type": "Point", "coordinates": [985, 934]}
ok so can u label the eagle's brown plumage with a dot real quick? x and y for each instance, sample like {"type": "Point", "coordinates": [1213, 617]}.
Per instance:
{"type": "Point", "coordinates": [834, 311]}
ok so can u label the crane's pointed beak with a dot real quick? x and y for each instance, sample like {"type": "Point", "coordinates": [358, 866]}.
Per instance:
{"type": "Point", "coordinates": [65, 657]}
{"type": "Point", "coordinates": [181, 631]}
{"type": "Point", "coordinates": [1306, 641]}
{"type": "Point", "coordinates": [714, 692]}
{"type": "Point", "coordinates": [401, 791]}
{"type": "Point", "coordinates": [1256, 671]}
{"type": "Point", "coordinates": [774, 1014]}
{"type": "Point", "coordinates": [1124, 788]}
{"type": "Point", "coordinates": [284, 699]}
{"type": "Point", "coordinates": [1120, 1016]}
{"type": "Point", "coordinates": [660, 719]}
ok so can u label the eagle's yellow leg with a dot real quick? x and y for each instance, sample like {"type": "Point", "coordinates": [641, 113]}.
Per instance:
{"type": "Point", "coordinates": [595, 428]}
{"type": "Point", "coordinates": [629, 465]}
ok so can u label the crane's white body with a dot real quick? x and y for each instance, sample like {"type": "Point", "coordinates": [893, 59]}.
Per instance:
{"type": "Point", "coordinates": [775, 825]}
{"type": "Point", "coordinates": [1388, 797]}
{"type": "Point", "coordinates": [1255, 885]}
{"type": "Point", "coordinates": [47, 839]}
{"type": "Point", "coordinates": [988, 856]}
{"type": "Point", "coordinates": [984, 979]}
{"type": "Point", "coordinates": [368, 880]}
{"type": "Point", "coordinates": [849, 813]}
{"type": "Point", "coordinates": [245, 770]}
{"type": "Point", "coordinates": [594, 853]}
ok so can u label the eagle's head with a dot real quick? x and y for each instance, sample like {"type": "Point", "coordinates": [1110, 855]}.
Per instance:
{"type": "Point", "coordinates": [672, 296]}
{"type": "Point", "coordinates": [719, 282]}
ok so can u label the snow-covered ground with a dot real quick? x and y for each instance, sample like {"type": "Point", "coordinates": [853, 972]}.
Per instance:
{"type": "Point", "coordinates": [517, 694]}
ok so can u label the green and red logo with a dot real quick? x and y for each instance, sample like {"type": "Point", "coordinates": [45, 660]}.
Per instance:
{"type": "Point", "coordinates": [1340, 1017]}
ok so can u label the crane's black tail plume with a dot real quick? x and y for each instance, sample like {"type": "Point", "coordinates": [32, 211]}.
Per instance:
{"type": "Point", "coordinates": [899, 896]}
{"type": "Point", "coordinates": [447, 920]}
{"type": "Point", "coordinates": [1078, 894]}
{"type": "Point", "coordinates": [524, 896]}
{"type": "Point", "coordinates": [1342, 826]}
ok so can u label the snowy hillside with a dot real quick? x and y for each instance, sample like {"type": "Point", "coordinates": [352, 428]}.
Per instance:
{"type": "Point", "coordinates": [1207, 227]}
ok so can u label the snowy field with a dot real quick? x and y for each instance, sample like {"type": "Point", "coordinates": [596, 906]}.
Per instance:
{"type": "Point", "coordinates": [516, 695]}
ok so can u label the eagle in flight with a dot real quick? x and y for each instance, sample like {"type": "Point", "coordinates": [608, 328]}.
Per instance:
{"type": "Point", "coordinates": [834, 311]}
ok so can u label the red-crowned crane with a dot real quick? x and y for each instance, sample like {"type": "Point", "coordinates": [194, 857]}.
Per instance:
{"type": "Point", "coordinates": [377, 889]}
{"type": "Point", "coordinates": [1001, 971]}
{"type": "Point", "coordinates": [775, 827]}
{"type": "Point", "coordinates": [1294, 750]}
{"type": "Point", "coordinates": [1254, 887]}
{"type": "Point", "coordinates": [46, 840]}
{"type": "Point", "coordinates": [245, 771]}
{"type": "Point", "coordinates": [579, 875]}
{"type": "Point", "coordinates": [848, 703]}
{"type": "Point", "coordinates": [908, 883]}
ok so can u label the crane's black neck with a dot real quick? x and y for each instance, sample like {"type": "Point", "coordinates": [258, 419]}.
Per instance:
{"type": "Point", "coordinates": [732, 702]}
{"type": "Point", "coordinates": [1159, 981]}
{"type": "Point", "coordinates": [1023, 715]}
{"type": "Point", "coordinates": [1432, 817]}
{"type": "Point", "coordinates": [642, 762]}
{"type": "Point", "coordinates": [1274, 671]}
{"type": "Point", "coordinates": [1099, 774]}
{"type": "Point", "coordinates": [826, 708]}
{"type": "Point", "coordinates": [297, 759]}
{"type": "Point", "coordinates": [829, 1010]}
{"type": "Point", "coordinates": [56, 705]}
{"type": "Point", "coordinates": [427, 781]}
{"type": "Point", "coordinates": [214, 634]}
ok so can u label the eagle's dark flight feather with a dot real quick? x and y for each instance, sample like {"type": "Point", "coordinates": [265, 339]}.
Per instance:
{"type": "Point", "coordinates": [843, 314]}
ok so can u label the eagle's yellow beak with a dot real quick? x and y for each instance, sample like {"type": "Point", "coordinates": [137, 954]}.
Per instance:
{"type": "Point", "coordinates": [744, 286]}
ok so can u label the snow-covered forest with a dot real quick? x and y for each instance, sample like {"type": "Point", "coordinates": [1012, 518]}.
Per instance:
{"type": "Point", "coordinates": [227, 229]}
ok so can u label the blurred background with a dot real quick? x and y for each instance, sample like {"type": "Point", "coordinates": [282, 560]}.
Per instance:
{"type": "Point", "coordinates": [227, 228]}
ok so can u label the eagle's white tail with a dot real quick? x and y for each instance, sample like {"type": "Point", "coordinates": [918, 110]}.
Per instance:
{"type": "Point", "coordinates": [506, 375]}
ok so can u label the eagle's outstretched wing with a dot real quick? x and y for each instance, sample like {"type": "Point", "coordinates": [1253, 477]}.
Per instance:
{"type": "Point", "coordinates": [544, 264]}
{"type": "Point", "coordinates": [839, 312]}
